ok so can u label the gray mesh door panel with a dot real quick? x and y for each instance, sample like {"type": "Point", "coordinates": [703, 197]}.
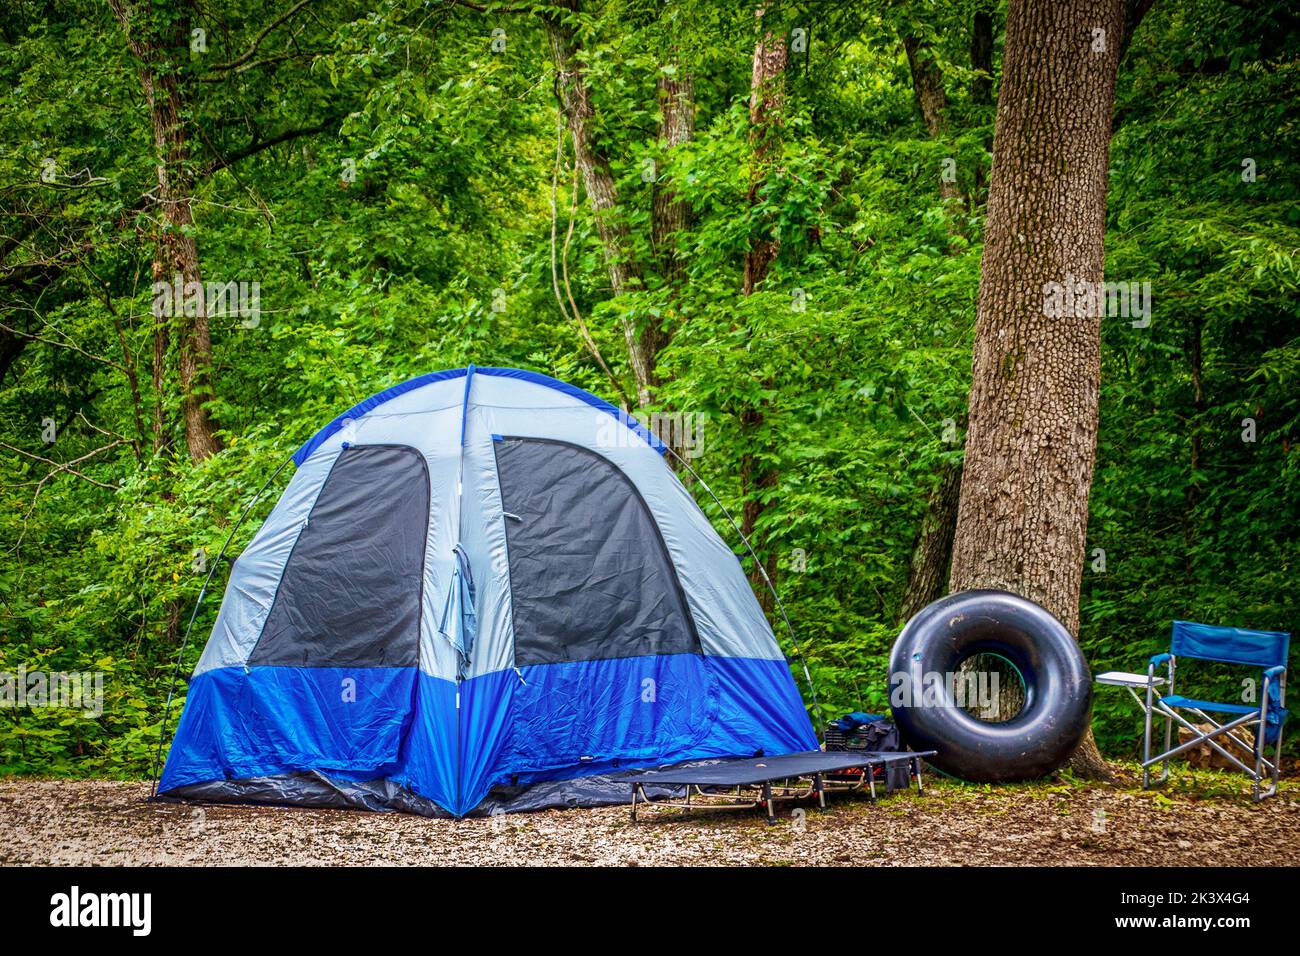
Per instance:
{"type": "Point", "coordinates": [350, 592]}
{"type": "Point", "coordinates": [590, 576]}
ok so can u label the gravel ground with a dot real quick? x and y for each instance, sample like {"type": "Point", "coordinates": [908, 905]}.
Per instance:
{"type": "Point", "coordinates": [1205, 820]}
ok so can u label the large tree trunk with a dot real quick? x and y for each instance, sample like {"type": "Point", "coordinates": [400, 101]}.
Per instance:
{"type": "Point", "coordinates": [1032, 434]}
{"type": "Point", "coordinates": [176, 257]}
{"type": "Point", "coordinates": [575, 102]}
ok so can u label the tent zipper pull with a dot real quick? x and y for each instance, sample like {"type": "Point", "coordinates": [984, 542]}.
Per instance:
{"type": "Point", "coordinates": [520, 675]}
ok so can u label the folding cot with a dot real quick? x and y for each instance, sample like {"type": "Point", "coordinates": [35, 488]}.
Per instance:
{"type": "Point", "coordinates": [798, 775]}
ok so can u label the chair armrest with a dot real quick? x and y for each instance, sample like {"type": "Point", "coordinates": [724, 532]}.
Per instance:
{"type": "Point", "coordinates": [1159, 659]}
{"type": "Point", "coordinates": [1275, 671]}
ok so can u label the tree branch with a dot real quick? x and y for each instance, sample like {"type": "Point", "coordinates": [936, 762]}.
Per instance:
{"type": "Point", "coordinates": [252, 149]}
{"type": "Point", "coordinates": [257, 42]}
{"type": "Point", "coordinates": [60, 466]}
{"type": "Point", "coordinates": [63, 345]}
{"type": "Point", "coordinates": [489, 7]}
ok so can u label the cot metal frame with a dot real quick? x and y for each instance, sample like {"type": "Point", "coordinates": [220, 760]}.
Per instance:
{"type": "Point", "coordinates": [767, 793]}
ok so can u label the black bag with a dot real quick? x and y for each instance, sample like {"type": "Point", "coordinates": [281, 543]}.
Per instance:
{"type": "Point", "coordinates": [875, 736]}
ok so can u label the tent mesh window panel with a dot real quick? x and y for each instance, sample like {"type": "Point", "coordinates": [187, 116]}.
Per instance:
{"type": "Point", "coordinates": [350, 593]}
{"type": "Point", "coordinates": [590, 575]}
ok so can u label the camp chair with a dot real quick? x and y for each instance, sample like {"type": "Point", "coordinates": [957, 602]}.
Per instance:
{"type": "Point", "coordinates": [1266, 650]}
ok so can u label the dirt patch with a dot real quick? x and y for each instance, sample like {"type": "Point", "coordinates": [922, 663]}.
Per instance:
{"type": "Point", "coordinates": [1197, 823]}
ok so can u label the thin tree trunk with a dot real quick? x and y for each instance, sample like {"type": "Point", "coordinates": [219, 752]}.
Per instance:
{"type": "Point", "coordinates": [132, 378]}
{"type": "Point", "coordinates": [981, 63]}
{"type": "Point", "coordinates": [981, 55]}
{"type": "Point", "coordinates": [1032, 435]}
{"type": "Point", "coordinates": [669, 214]}
{"type": "Point", "coordinates": [669, 217]}
{"type": "Point", "coordinates": [161, 344]}
{"type": "Point", "coordinates": [766, 123]}
{"type": "Point", "coordinates": [931, 100]}
{"type": "Point", "coordinates": [575, 101]}
{"type": "Point", "coordinates": [1195, 356]}
{"type": "Point", "coordinates": [176, 258]}
{"type": "Point", "coordinates": [932, 550]}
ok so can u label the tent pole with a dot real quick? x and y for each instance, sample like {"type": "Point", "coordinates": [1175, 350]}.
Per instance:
{"type": "Point", "coordinates": [460, 465]}
{"type": "Point", "coordinates": [460, 496]}
{"type": "Point", "coordinates": [812, 691]}
{"type": "Point", "coordinates": [171, 691]}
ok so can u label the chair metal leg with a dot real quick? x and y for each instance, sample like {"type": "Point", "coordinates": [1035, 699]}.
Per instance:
{"type": "Point", "coordinates": [1169, 740]}
{"type": "Point", "coordinates": [1277, 751]}
{"type": "Point", "coordinates": [1259, 742]}
{"type": "Point", "coordinates": [1244, 747]}
{"type": "Point", "coordinates": [1169, 724]}
{"type": "Point", "coordinates": [1146, 730]}
{"type": "Point", "coordinates": [1277, 763]}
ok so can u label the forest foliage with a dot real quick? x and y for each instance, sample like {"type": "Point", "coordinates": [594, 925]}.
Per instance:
{"type": "Point", "coordinates": [396, 177]}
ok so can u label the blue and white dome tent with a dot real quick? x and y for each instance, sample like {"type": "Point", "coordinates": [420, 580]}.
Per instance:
{"type": "Point", "coordinates": [481, 576]}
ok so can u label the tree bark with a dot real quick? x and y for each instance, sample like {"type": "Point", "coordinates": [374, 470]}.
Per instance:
{"type": "Point", "coordinates": [176, 258]}
{"type": "Point", "coordinates": [575, 102]}
{"type": "Point", "coordinates": [766, 124]}
{"type": "Point", "coordinates": [669, 214]}
{"type": "Point", "coordinates": [932, 550]}
{"type": "Point", "coordinates": [931, 100]}
{"type": "Point", "coordinates": [1032, 435]}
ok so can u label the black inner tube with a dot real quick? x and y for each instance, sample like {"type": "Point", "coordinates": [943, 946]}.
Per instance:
{"type": "Point", "coordinates": [927, 683]}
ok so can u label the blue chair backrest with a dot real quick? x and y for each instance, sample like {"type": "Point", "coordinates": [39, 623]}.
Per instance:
{"type": "Point", "coordinates": [1231, 645]}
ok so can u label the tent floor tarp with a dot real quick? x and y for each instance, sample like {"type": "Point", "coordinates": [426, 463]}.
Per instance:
{"type": "Point", "coordinates": [668, 786]}
{"type": "Point", "coordinates": [802, 775]}
{"type": "Point", "coordinates": [316, 790]}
